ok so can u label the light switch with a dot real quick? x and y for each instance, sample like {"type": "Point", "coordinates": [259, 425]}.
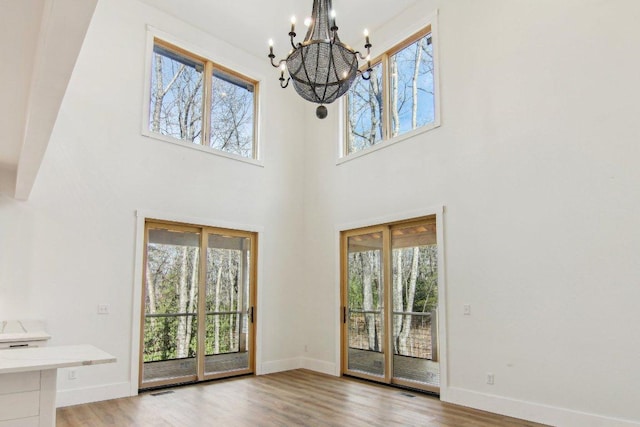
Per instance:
{"type": "Point", "coordinates": [467, 309]}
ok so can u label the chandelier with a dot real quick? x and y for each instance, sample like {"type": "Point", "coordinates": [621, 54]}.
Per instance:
{"type": "Point", "coordinates": [321, 68]}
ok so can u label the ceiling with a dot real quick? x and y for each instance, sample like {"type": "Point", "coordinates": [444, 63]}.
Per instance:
{"type": "Point", "coordinates": [39, 42]}
{"type": "Point", "coordinates": [42, 39]}
{"type": "Point", "coordinates": [19, 29]}
{"type": "Point", "coordinates": [249, 24]}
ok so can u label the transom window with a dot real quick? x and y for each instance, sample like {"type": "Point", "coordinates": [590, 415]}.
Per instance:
{"type": "Point", "coordinates": [397, 99]}
{"type": "Point", "coordinates": [197, 101]}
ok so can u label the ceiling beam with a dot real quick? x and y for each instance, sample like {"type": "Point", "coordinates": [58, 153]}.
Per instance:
{"type": "Point", "coordinates": [62, 30]}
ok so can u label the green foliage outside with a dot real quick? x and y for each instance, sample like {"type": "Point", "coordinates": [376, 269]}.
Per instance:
{"type": "Point", "coordinates": [364, 277]}
{"type": "Point", "coordinates": [172, 276]}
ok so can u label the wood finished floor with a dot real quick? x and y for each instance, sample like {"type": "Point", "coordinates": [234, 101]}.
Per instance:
{"type": "Point", "coordinates": [292, 398]}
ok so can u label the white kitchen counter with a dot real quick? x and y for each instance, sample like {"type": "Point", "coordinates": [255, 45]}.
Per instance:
{"type": "Point", "coordinates": [22, 333]}
{"type": "Point", "coordinates": [28, 381]}
{"type": "Point", "coordinates": [39, 358]}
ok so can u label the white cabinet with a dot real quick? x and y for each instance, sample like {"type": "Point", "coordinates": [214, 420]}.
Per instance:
{"type": "Point", "coordinates": [28, 381]}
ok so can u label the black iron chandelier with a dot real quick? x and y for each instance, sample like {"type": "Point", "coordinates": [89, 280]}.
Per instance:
{"type": "Point", "coordinates": [322, 67]}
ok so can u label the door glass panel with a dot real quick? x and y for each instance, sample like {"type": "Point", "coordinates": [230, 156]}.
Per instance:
{"type": "Point", "coordinates": [227, 303]}
{"type": "Point", "coordinates": [415, 300]}
{"type": "Point", "coordinates": [170, 307]}
{"type": "Point", "coordinates": [365, 304]}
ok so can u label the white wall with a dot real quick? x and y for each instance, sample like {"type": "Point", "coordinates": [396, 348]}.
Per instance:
{"type": "Point", "coordinates": [71, 246]}
{"type": "Point", "coordinates": [536, 162]}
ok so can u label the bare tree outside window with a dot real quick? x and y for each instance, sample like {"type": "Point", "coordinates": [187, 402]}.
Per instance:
{"type": "Point", "coordinates": [177, 100]}
{"type": "Point", "coordinates": [176, 96]}
{"type": "Point", "coordinates": [408, 73]}
{"type": "Point", "coordinates": [364, 101]}
{"type": "Point", "coordinates": [232, 110]}
{"type": "Point", "coordinates": [412, 101]}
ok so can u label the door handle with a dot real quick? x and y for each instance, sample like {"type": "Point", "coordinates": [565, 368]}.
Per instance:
{"type": "Point", "coordinates": [251, 314]}
{"type": "Point", "coordinates": [344, 314]}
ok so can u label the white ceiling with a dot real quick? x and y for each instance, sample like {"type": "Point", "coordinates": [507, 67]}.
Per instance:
{"type": "Point", "coordinates": [39, 43]}
{"type": "Point", "coordinates": [249, 24]}
{"type": "Point", "coordinates": [19, 29]}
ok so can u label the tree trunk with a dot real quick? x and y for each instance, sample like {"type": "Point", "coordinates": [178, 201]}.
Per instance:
{"type": "Point", "coordinates": [411, 292]}
{"type": "Point", "coordinates": [192, 295]}
{"type": "Point", "coordinates": [430, 256]}
{"type": "Point", "coordinates": [367, 298]}
{"type": "Point", "coordinates": [159, 94]}
{"type": "Point", "coordinates": [182, 342]}
{"type": "Point", "coordinates": [151, 292]}
{"type": "Point", "coordinates": [397, 299]}
{"type": "Point", "coordinates": [394, 98]}
{"type": "Point", "coordinates": [230, 272]}
{"type": "Point", "coordinates": [151, 295]}
{"type": "Point", "coordinates": [374, 97]}
{"type": "Point", "coordinates": [216, 318]}
{"type": "Point", "coordinates": [161, 91]}
{"type": "Point", "coordinates": [414, 85]}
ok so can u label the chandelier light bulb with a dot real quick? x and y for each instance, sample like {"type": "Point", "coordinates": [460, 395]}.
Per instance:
{"type": "Point", "coordinates": [307, 22]}
{"type": "Point", "coordinates": [366, 32]}
{"type": "Point", "coordinates": [333, 13]}
{"type": "Point", "coordinates": [283, 66]}
{"type": "Point", "coordinates": [270, 42]}
{"type": "Point", "coordinates": [292, 33]}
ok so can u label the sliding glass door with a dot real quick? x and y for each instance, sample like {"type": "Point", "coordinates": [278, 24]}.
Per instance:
{"type": "Point", "coordinates": [390, 299]}
{"type": "Point", "coordinates": [228, 312]}
{"type": "Point", "coordinates": [198, 304]}
{"type": "Point", "coordinates": [170, 307]}
{"type": "Point", "coordinates": [364, 313]}
{"type": "Point", "coordinates": [414, 259]}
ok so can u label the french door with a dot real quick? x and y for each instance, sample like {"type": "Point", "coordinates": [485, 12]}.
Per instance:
{"type": "Point", "coordinates": [389, 304]}
{"type": "Point", "coordinates": [198, 304]}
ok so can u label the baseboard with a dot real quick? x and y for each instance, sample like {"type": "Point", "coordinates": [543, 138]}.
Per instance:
{"type": "Point", "coordinates": [78, 396]}
{"type": "Point", "coordinates": [318, 366]}
{"type": "Point", "coordinates": [297, 363]}
{"type": "Point", "coordinates": [545, 414]}
{"type": "Point", "coordinates": [279, 366]}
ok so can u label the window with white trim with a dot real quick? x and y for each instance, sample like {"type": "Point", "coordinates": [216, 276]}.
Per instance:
{"type": "Point", "coordinates": [195, 100]}
{"type": "Point", "coordinates": [398, 98]}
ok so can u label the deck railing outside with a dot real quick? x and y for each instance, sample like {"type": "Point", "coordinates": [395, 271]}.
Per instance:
{"type": "Point", "coordinates": [418, 341]}
{"type": "Point", "coordinates": [161, 335]}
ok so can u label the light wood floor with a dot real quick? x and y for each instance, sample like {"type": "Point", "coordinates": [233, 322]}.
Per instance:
{"type": "Point", "coordinates": [292, 398]}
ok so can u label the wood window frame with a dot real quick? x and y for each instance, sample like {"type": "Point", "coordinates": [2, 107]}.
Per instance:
{"type": "Point", "coordinates": [383, 59]}
{"type": "Point", "coordinates": [209, 67]}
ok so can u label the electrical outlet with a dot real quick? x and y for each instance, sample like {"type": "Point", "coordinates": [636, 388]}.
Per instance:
{"type": "Point", "coordinates": [103, 308]}
{"type": "Point", "coordinates": [467, 309]}
{"type": "Point", "coordinates": [490, 378]}
{"type": "Point", "coordinates": [72, 375]}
